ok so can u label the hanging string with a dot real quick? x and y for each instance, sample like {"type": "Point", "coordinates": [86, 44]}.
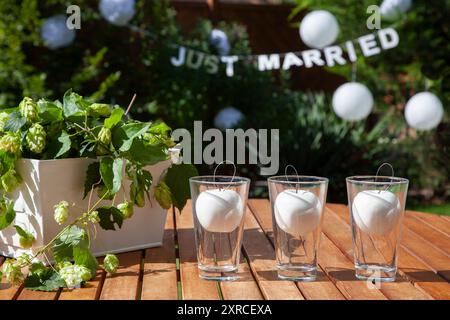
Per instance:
{"type": "Point", "coordinates": [296, 173]}
{"type": "Point", "coordinates": [250, 57]}
{"type": "Point", "coordinates": [392, 173]}
{"type": "Point", "coordinates": [354, 71]}
{"type": "Point", "coordinates": [232, 178]}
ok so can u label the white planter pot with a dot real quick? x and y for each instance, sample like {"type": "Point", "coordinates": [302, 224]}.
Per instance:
{"type": "Point", "coordinates": [46, 182]}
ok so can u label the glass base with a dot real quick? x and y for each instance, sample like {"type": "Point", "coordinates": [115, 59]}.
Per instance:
{"type": "Point", "coordinates": [218, 273]}
{"type": "Point", "coordinates": [297, 273]}
{"type": "Point", "coordinates": [374, 273]}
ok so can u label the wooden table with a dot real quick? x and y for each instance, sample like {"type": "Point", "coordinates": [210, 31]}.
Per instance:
{"type": "Point", "coordinates": [170, 272]}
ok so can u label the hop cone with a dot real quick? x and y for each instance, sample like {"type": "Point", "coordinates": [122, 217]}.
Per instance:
{"type": "Point", "coordinates": [28, 109]}
{"type": "Point", "coordinates": [104, 136]}
{"type": "Point", "coordinates": [10, 142]}
{"type": "Point", "coordinates": [74, 275]}
{"type": "Point", "coordinates": [126, 208]}
{"type": "Point", "coordinates": [163, 195]}
{"type": "Point", "coordinates": [110, 263]}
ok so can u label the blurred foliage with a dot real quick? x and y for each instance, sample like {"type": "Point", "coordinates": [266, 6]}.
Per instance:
{"type": "Point", "coordinates": [421, 62]}
{"type": "Point", "coordinates": [107, 62]}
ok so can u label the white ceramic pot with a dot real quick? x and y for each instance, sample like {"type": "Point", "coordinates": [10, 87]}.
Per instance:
{"type": "Point", "coordinates": [46, 182]}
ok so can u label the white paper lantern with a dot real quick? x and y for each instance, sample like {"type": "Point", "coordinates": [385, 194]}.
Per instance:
{"type": "Point", "coordinates": [117, 12]}
{"type": "Point", "coordinates": [228, 118]}
{"type": "Point", "coordinates": [393, 9]}
{"type": "Point", "coordinates": [219, 40]}
{"type": "Point", "coordinates": [219, 210]}
{"type": "Point", "coordinates": [376, 212]}
{"type": "Point", "coordinates": [319, 29]}
{"type": "Point", "coordinates": [352, 101]}
{"type": "Point", "coordinates": [424, 111]}
{"type": "Point", "coordinates": [297, 212]}
{"type": "Point", "coordinates": [55, 34]}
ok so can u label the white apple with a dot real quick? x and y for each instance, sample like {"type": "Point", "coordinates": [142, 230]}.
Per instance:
{"type": "Point", "coordinates": [219, 210]}
{"type": "Point", "coordinates": [376, 212]}
{"type": "Point", "coordinates": [297, 212]}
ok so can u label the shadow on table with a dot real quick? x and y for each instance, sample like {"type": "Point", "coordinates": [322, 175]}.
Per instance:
{"type": "Point", "coordinates": [428, 276]}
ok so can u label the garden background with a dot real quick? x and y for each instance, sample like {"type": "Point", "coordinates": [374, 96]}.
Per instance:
{"type": "Point", "coordinates": [110, 63]}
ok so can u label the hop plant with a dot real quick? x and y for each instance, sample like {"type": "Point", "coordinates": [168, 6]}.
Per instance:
{"type": "Point", "coordinates": [62, 265]}
{"type": "Point", "coordinates": [10, 180]}
{"type": "Point", "coordinates": [104, 136]}
{"type": "Point", "coordinates": [163, 195]}
{"type": "Point", "coordinates": [3, 118]}
{"type": "Point", "coordinates": [12, 272]}
{"type": "Point", "coordinates": [100, 109]}
{"type": "Point", "coordinates": [74, 275]}
{"type": "Point", "coordinates": [93, 216]}
{"type": "Point", "coordinates": [24, 259]}
{"type": "Point", "coordinates": [10, 142]}
{"type": "Point", "coordinates": [110, 263]}
{"type": "Point", "coordinates": [126, 208]}
{"type": "Point", "coordinates": [36, 138]}
{"type": "Point", "coordinates": [103, 192]}
{"type": "Point", "coordinates": [28, 109]}
{"type": "Point", "coordinates": [26, 242]}
{"type": "Point", "coordinates": [137, 195]}
{"type": "Point", "coordinates": [61, 212]}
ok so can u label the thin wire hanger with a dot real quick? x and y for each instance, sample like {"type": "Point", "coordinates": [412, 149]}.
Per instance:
{"type": "Point", "coordinates": [232, 178]}
{"type": "Point", "coordinates": [392, 173]}
{"type": "Point", "coordinates": [296, 173]}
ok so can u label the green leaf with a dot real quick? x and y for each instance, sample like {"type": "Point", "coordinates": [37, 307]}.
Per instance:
{"type": "Point", "coordinates": [92, 177]}
{"type": "Point", "coordinates": [23, 233]}
{"type": "Point", "coordinates": [160, 128]}
{"type": "Point", "coordinates": [114, 118]}
{"type": "Point", "coordinates": [146, 154]}
{"type": "Point", "coordinates": [49, 111]}
{"type": "Point", "coordinates": [111, 173]}
{"type": "Point", "coordinates": [74, 105]}
{"type": "Point", "coordinates": [88, 149]}
{"type": "Point", "coordinates": [110, 216]}
{"type": "Point", "coordinates": [145, 179]}
{"type": "Point", "coordinates": [7, 213]}
{"type": "Point", "coordinates": [177, 178]}
{"type": "Point", "coordinates": [72, 237]}
{"type": "Point", "coordinates": [15, 121]}
{"type": "Point", "coordinates": [44, 280]}
{"type": "Point", "coordinates": [7, 161]}
{"type": "Point", "coordinates": [84, 257]}
{"type": "Point", "coordinates": [59, 146]}
{"type": "Point", "coordinates": [123, 136]}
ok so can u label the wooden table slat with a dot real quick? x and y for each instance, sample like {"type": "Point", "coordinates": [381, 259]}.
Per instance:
{"type": "Point", "coordinates": [193, 288]}
{"type": "Point", "coordinates": [337, 267]}
{"type": "Point", "coordinates": [245, 288]}
{"type": "Point", "coordinates": [435, 238]}
{"type": "Point", "coordinates": [409, 266]}
{"type": "Point", "coordinates": [261, 257]}
{"type": "Point", "coordinates": [160, 270]}
{"type": "Point", "coordinates": [437, 222]}
{"type": "Point", "coordinates": [123, 285]}
{"type": "Point", "coordinates": [323, 287]}
{"type": "Point", "coordinates": [423, 265]}
{"type": "Point", "coordinates": [431, 256]}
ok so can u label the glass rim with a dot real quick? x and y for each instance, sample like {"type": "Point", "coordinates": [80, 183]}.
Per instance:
{"type": "Point", "coordinates": [371, 180]}
{"type": "Point", "coordinates": [211, 180]}
{"type": "Point", "coordinates": [308, 179]}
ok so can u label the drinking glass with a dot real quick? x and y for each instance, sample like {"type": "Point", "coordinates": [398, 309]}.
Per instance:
{"type": "Point", "coordinates": [218, 206]}
{"type": "Point", "coordinates": [297, 204]}
{"type": "Point", "coordinates": [377, 206]}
